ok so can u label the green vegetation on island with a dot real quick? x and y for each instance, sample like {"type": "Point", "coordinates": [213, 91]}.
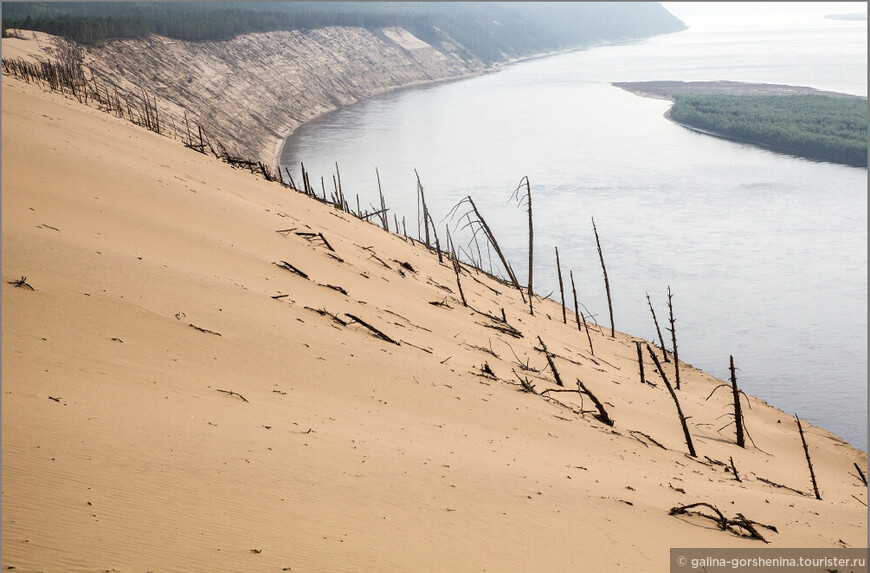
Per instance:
{"type": "Point", "coordinates": [489, 31]}
{"type": "Point", "coordinates": [820, 127]}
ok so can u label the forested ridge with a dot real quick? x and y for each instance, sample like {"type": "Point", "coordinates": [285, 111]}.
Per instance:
{"type": "Point", "coordinates": [820, 127]}
{"type": "Point", "coordinates": [490, 31]}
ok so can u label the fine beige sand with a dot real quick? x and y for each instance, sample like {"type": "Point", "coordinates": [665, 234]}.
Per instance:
{"type": "Point", "coordinates": [174, 401]}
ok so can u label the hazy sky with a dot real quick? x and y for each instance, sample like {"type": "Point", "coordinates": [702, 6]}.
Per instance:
{"type": "Point", "coordinates": [696, 12]}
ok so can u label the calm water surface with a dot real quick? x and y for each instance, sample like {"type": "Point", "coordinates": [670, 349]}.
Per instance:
{"type": "Point", "coordinates": [766, 254]}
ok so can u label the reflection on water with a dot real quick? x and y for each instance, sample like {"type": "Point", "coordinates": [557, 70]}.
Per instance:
{"type": "Point", "coordinates": [765, 253]}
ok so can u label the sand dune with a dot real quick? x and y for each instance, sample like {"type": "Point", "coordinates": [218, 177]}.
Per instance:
{"type": "Point", "coordinates": [174, 401]}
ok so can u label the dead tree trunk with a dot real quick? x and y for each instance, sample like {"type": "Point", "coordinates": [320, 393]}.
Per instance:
{"type": "Point", "coordinates": [383, 216]}
{"type": "Point", "coordinates": [531, 245]}
{"type": "Point", "coordinates": [809, 461]}
{"type": "Point", "coordinates": [579, 316]}
{"type": "Point", "coordinates": [576, 308]}
{"type": "Point", "coordinates": [640, 362]}
{"type": "Point", "coordinates": [738, 414]}
{"type": "Point", "coordinates": [425, 210]}
{"type": "Point", "coordinates": [290, 177]}
{"type": "Point", "coordinates": [676, 401]}
{"type": "Point", "coordinates": [674, 337]}
{"type": "Point", "coordinates": [588, 336]}
{"type": "Point", "coordinates": [561, 287]}
{"type": "Point", "coordinates": [516, 194]}
{"type": "Point", "coordinates": [606, 282]}
{"type": "Point", "coordinates": [495, 246]}
{"type": "Point", "coordinates": [658, 330]}
{"type": "Point", "coordinates": [437, 242]}
{"type": "Point", "coordinates": [340, 190]}
{"type": "Point", "coordinates": [455, 266]}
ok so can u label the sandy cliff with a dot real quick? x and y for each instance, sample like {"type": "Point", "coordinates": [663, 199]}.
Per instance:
{"type": "Point", "coordinates": [251, 91]}
{"type": "Point", "coordinates": [176, 399]}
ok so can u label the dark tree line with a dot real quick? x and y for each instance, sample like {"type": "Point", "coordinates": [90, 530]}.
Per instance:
{"type": "Point", "coordinates": [821, 127]}
{"type": "Point", "coordinates": [489, 31]}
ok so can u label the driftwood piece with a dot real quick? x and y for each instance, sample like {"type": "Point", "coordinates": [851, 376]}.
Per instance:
{"type": "Point", "coordinates": [809, 461]}
{"type": "Point", "coordinates": [686, 433]}
{"type": "Point", "coordinates": [372, 329]}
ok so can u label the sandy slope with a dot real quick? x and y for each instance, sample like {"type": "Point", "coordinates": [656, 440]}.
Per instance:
{"type": "Point", "coordinates": [349, 452]}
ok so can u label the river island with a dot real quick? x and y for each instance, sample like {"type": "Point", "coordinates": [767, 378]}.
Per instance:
{"type": "Point", "coordinates": [796, 120]}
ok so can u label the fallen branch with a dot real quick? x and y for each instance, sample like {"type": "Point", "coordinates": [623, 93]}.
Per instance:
{"type": "Point", "coordinates": [861, 474]}
{"type": "Point", "coordinates": [602, 413]}
{"type": "Point", "coordinates": [372, 329]}
{"type": "Point", "coordinates": [525, 384]}
{"type": "Point", "coordinates": [426, 350]}
{"type": "Point", "coordinates": [324, 312]}
{"type": "Point", "coordinates": [231, 393]}
{"type": "Point", "coordinates": [336, 288]}
{"type": "Point", "coordinates": [551, 363]}
{"type": "Point", "coordinates": [21, 283]}
{"type": "Point", "coordinates": [648, 437]}
{"type": "Point", "coordinates": [205, 330]}
{"type": "Point", "coordinates": [505, 328]}
{"type": "Point", "coordinates": [779, 485]}
{"type": "Point", "coordinates": [734, 469]}
{"type": "Point", "coordinates": [288, 267]}
{"type": "Point", "coordinates": [725, 524]}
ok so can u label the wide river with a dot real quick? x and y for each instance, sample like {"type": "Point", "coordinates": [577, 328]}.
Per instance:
{"type": "Point", "coordinates": [766, 254]}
